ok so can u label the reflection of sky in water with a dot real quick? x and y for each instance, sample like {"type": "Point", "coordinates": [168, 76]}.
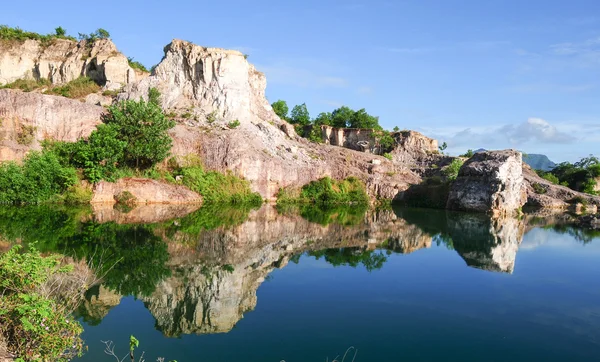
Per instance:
{"type": "Point", "coordinates": [539, 237]}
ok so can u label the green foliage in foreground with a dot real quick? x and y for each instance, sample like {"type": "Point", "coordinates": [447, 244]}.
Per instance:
{"type": "Point", "coordinates": [326, 191]}
{"type": "Point", "coordinates": [36, 327]}
{"type": "Point", "coordinates": [216, 187]}
{"type": "Point", "coordinates": [40, 177]}
{"type": "Point", "coordinates": [8, 33]}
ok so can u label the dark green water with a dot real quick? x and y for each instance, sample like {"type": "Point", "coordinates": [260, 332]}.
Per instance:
{"type": "Point", "coordinates": [403, 285]}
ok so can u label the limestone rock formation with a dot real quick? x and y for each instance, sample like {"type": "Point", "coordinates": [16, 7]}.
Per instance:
{"type": "Point", "coordinates": [64, 60]}
{"type": "Point", "coordinates": [26, 119]}
{"type": "Point", "coordinates": [490, 182]}
{"type": "Point", "coordinates": [208, 81]}
{"type": "Point", "coordinates": [145, 191]}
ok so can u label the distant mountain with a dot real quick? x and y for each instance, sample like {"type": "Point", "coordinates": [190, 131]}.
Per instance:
{"type": "Point", "coordinates": [536, 161]}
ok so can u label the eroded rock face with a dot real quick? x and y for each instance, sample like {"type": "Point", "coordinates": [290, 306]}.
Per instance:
{"type": "Point", "coordinates": [63, 60]}
{"type": "Point", "coordinates": [46, 117]}
{"type": "Point", "coordinates": [145, 191]}
{"type": "Point", "coordinates": [208, 80]}
{"type": "Point", "coordinates": [490, 182]}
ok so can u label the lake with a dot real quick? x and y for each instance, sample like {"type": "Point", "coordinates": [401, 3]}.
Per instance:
{"type": "Point", "coordinates": [309, 284]}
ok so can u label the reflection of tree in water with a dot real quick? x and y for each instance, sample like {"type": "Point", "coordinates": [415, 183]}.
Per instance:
{"type": "Point", "coordinates": [370, 259]}
{"type": "Point", "coordinates": [580, 234]}
{"type": "Point", "coordinates": [326, 214]}
{"type": "Point", "coordinates": [130, 257]}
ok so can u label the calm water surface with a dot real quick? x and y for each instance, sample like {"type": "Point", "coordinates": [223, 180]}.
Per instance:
{"type": "Point", "coordinates": [402, 285]}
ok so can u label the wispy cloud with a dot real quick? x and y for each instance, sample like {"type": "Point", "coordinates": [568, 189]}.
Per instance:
{"type": "Point", "coordinates": [364, 90]}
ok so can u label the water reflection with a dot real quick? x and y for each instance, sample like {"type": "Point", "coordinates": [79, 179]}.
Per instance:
{"type": "Point", "coordinates": [198, 272]}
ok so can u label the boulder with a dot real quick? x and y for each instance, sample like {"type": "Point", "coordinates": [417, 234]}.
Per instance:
{"type": "Point", "coordinates": [489, 182]}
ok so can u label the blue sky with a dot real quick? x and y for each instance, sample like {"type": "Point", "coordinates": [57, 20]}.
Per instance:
{"type": "Point", "coordinates": [492, 74]}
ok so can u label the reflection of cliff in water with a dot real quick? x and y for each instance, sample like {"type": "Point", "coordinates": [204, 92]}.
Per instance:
{"type": "Point", "coordinates": [483, 242]}
{"type": "Point", "coordinates": [199, 273]}
{"type": "Point", "coordinates": [216, 273]}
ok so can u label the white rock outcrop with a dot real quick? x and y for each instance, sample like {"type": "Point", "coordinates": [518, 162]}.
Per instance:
{"type": "Point", "coordinates": [63, 60]}
{"type": "Point", "coordinates": [208, 80]}
{"type": "Point", "coordinates": [490, 182]}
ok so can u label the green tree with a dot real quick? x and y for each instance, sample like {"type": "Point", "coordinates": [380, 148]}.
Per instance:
{"type": "Point", "coordinates": [341, 117]}
{"type": "Point", "coordinates": [300, 115]}
{"type": "Point", "coordinates": [443, 147]}
{"type": "Point", "coordinates": [144, 127]}
{"type": "Point", "coordinates": [101, 153]}
{"type": "Point", "coordinates": [102, 34]}
{"type": "Point", "coordinates": [281, 109]}
{"type": "Point", "coordinates": [323, 119]}
{"type": "Point", "coordinates": [361, 119]}
{"type": "Point", "coordinates": [60, 31]}
{"type": "Point", "coordinates": [396, 128]}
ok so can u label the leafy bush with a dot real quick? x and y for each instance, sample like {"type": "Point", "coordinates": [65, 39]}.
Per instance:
{"type": "Point", "coordinates": [468, 154]}
{"type": "Point", "coordinates": [8, 33]}
{"type": "Point", "coordinates": [388, 156]}
{"type": "Point", "coordinates": [144, 128]}
{"type": "Point", "coordinates": [385, 140]}
{"type": "Point", "coordinates": [92, 37]}
{"type": "Point", "coordinates": [216, 187]}
{"type": "Point", "coordinates": [26, 135]}
{"type": "Point", "coordinates": [539, 189]}
{"type": "Point", "coordinates": [39, 178]}
{"type": "Point", "coordinates": [77, 88]}
{"type": "Point", "coordinates": [233, 124]}
{"type": "Point", "coordinates": [579, 176]}
{"type": "Point", "coordinates": [27, 85]}
{"type": "Point", "coordinates": [550, 177]}
{"type": "Point", "coordinates": [327, 191]}
{"type": "Point", "coordinates": [451, 171]}
{"type": "Point", "coordinates": [35, 326]}
{"type": "Point", "coordinates": [136, 65]}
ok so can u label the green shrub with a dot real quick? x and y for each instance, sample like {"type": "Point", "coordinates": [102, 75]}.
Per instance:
{"type": "Point", "coordinates": [26, 135]}
{"type": "Point", "coordinates": [216, 187]}
{"type": "Point", "coordinates": [327, 191]}
{"type": "Point", "coordinates": [36, 327]}
{"type": "Point", "coordinates": [39, 178]}
{"type": "Point", "coordinates": [136, 65]}
{"type": "Point", "coordinates": [233, 124]}
{"type": "Point", "coordinates": [539, 189]}
{"type": "Point", "coordinates": [77, 88]}
{"type": "Point", "coordinates": [211, 117]}
{"type": "Point", "coordinates": [92, 37]}
{"type": "Point", "coordinates": [451, 171]}
{"type": "Point", "coordinates": [388, 156]}
{"type": "Point", "coordinates": [550, 177]}
{"type": "Point", "coordinates": [144, 128]}
{"type": "Point", "coordinates": [468, 154]}
{"type": "Point", "coordinates": [27, 84]}
{"type": "Point", "coordinates": [8, 33]}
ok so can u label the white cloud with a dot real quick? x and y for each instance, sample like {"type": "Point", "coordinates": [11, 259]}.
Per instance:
{"type": "Point", "coordinates": [364, 90]}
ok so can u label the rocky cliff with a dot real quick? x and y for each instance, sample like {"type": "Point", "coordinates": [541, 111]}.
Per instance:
{"type": "Point", "coordinates": [63, 60]}
{"type": "Point", "coordinates": [26, 119]}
